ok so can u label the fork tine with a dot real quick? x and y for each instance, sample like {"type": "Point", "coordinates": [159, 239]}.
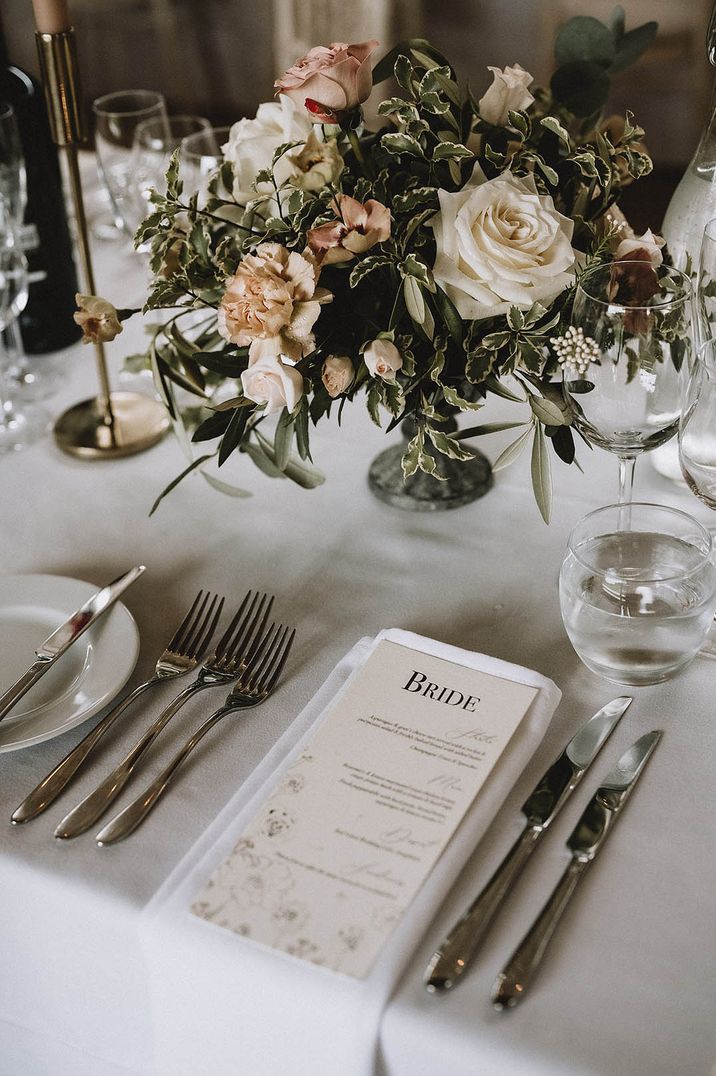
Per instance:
{"type": "Point", "coordinates": [255, 657]}
{"type": "Point", "coordinates": [226, 637]}
{"type": "Point", "coordinates": [251, 629]}
{"type": "Point", "coordinates": [184, 630]}
{"type": "Point", "coordinates": [263, 658]}
{"type": "Point", "coordinates": [206, 629]}
{"type": "Point", "coordinates": [281, 652]}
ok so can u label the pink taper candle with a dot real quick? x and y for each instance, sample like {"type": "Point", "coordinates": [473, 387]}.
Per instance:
{"type": "Point", "coordinates": [52, 16]}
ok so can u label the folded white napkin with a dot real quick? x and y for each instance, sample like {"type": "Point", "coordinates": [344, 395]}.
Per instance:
{"type": "Point", "coordinates": [222, 1005]}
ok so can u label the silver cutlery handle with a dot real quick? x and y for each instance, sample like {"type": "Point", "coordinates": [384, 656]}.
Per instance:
{"type": "Point", "coordinates": [50, 787]}
{"type": "Point", "coordinates": [127, 820]}
{"type": "Point", "coordinates": [93, 806]}
{"type": "Point", "coordinates": [513, 981]}
{"type": "Point", "coordinates": [18, 689]}
{"type": "Point", "coordinates": [456, 953]}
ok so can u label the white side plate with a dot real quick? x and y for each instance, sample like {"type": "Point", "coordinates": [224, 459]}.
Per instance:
{"type": "Point", "coordinates": [83, 681]}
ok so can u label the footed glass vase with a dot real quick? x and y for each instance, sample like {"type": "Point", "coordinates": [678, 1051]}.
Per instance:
{"type": "Point", "coordinates": [463, 483]}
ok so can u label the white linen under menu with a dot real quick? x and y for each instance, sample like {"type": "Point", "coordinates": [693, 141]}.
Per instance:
{"type": "Point", "coordinates": [329, 863]}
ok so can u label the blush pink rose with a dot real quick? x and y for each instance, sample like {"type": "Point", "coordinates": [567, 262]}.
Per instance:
{"type": "Point", "coordinates": [330, 80]}
{"type": "Point", "coordinates": [337, 374]}
{"type": "Point", "coordinates": [272, 382]}
{"type": "Point", "coordinates": [383, 359]}
{"type": "Point", "coordinates": [357, 228]}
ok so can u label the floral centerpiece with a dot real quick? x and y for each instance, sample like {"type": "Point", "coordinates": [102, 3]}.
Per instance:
{"type": "Point", "coordinates": [422, 266]}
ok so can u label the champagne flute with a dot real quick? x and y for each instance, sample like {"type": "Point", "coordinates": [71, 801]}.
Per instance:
{"type": "Point", "coordinates": [630, 347]}
{"type": "Point", "coordinates": [117, 116]}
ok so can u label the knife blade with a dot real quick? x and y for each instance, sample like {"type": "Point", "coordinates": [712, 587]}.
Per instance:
{"type": "Point", "coordinates": [587, 837]}
{"type": "Point", "coordinates": [63, 637]}
{"type": "Point", "coordinates": [457, 951]}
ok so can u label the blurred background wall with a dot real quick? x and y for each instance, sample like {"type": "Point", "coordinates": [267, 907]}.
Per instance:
{"type": "Point", "coordinates": [219, 57]}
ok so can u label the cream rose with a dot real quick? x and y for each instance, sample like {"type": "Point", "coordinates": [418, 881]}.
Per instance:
{"type": "Point", "coordinates": [270, 381]}
{"type": "Point", "coordinates": [252, 144]}
{"type": "Point", "coordinates": [330, 80]}
{"type": "Point", "coordinates": [272, 303]}
{"type": "Point", "coordinates": [97, 318]}
{"type": "Point", "coordinates": [316, 165]}
{"type": "Point", "coordinates": [337, 374]}
{"type": "Point", "coordinates": [501, 243]}
{"type": "Point", "coordinates": [508, 92]}
{"type": "Point", "coordinates": [383, 359]}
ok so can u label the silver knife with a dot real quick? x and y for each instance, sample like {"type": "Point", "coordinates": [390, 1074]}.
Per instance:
{"type": "Point", "coordinates": [586, 839]}
{"type": "Point", "coordinates": [63, 637]}
{"type": "Point", "coordinates": [458, 949]}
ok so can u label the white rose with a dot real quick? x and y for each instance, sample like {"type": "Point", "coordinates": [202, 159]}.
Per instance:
{"type": "Point", "coordinates": [500, 243]}
{"type": "Point", "coordinates": [383, 359]}
{"type": "Point", "coordinates": [507, 92]}
{"type": "Point", "coordinates": [252, 144]}
{"type": "Point", "coordinates": [337, 374]}
{"type": "Point", "coordinates": [269, 381]}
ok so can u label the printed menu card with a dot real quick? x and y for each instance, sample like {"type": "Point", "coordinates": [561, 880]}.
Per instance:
{"type": "Point", "coordinates": [336, 853]}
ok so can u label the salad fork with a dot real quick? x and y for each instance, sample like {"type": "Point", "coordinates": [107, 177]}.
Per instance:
{"type": "Point", "coordinates": [183, 652]}
{"type": "Point", "coordinates": [221, 667]}
{"type": "Point", "coordinates": [255, 684]}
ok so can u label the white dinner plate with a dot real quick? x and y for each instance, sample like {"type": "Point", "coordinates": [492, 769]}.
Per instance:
{"type": "Point", "coordinates": [83, 680]}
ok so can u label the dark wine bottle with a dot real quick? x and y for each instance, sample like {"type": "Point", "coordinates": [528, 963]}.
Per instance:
{"type": "Point", "coordinates": [46, 323]}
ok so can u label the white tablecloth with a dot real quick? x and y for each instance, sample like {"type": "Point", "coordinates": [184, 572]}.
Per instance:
{"type": "Point", "coordinates": [629, 983]}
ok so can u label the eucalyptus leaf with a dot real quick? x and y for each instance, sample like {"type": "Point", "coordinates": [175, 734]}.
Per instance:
{"type": "Point", "coordinates": [547, 412]}
{"type": "Point", "coordinates": [223, 487]}
{"type": "Point", "coordinates": [283, 439]}
{"type": "Point", "coordinates": [175, 482]}
{"type": "Point", "coordinates": [585, 38]}
{"type": "Point", "coordinates": [234, 434]}
{"type": "Point", "coordinates": [541, 473]}
{"type": "Point", "coordinates": [513, 450]}
{"type": "Point", "coordinates": [582, 86]}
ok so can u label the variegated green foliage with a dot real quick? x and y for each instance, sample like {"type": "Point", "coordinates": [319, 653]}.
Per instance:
{"type": "Point", "coordinates": [431, 142]}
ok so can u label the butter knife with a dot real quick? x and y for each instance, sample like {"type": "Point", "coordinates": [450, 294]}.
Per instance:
{"type": "Point", "coordinates": [460, 946]}
{"type": "Point", "coordinates": [63, 637]}
{"type": "Point", "coordinates": [586, 839]}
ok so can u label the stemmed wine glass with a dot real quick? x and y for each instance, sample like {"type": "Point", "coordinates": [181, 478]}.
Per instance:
{"type": "Point", "coordinates": [117, 116]}
{"type": "Point", "coordinates": [17, 429]}
{"type": "Point", "coordinates": [630, 353]}
{"type": "Point", "coordinates": [154, 142]}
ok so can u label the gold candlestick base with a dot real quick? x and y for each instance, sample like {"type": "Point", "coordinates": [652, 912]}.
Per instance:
{"type": "Point", "coordinates": [138, 422]}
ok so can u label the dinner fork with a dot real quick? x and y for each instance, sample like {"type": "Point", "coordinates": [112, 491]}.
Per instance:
{"type": "Point", "coordinates": [183, 652]}
{"type": "Point", "coordinates": [255, 684]}
{"type": "Point", "coordinates": [221, 667]}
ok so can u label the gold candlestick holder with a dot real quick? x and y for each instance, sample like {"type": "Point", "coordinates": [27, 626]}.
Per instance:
{"type": "Point", "coordinates": [110, 424]}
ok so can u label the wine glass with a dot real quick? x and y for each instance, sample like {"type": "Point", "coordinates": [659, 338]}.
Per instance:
{"type": "Point", "coordinates": [627, 359]}
{"type": "Point", "coordinates": [17, 429]}
{"type": "Point", "coordinates": [117, 116]}
{"type": "Point", "coordinates": [154, 142]}
{"type": "Point", "coordinates": [200, 156]}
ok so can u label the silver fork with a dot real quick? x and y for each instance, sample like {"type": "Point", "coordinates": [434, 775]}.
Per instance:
{"type": "Point", "coordinates": [255, 684]}
{"type": "Point", "coordinates": [223, 666]}
{"type": "Point", "coordinates": [184, 651]}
